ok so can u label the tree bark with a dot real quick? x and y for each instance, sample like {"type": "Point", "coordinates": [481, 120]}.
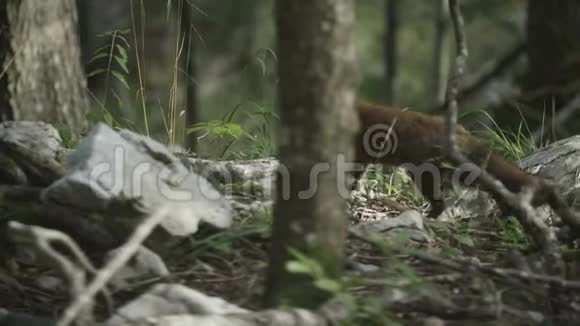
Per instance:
{"type": "Point", "coordinates": [317, 91]}
{"type": "Point", "coordinates": [391, 46]}
{"type": "Point", "coordinates": [44, 78]}
{"type": "Point", "coordinates": [6, 112]}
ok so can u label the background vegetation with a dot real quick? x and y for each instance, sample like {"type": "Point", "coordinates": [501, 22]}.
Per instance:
{"type": "Point", "coordinates": [236, 64]}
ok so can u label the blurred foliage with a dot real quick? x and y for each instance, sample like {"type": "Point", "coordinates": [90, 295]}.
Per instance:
{"type": "Point", "coordinates": [235, 50]}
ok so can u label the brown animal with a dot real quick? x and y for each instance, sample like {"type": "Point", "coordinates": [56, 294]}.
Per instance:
{"type": "Point", "coordinates": [394, 137]}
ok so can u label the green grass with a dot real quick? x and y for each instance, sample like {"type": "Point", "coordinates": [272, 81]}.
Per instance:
{"type": "Point", "coordinates": [511, 231]}
{"type": "Point", "coordinates": [232, 140]}
{"type": "Point", "coordinates": [513, 145]}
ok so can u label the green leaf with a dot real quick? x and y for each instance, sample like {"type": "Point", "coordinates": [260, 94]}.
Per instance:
{"type": "Point", "coordinates": [122, 63]}
{"type": "Point", "coordinates": [124, 31]}
{"type": "Point", "coordinates": [218, 128]}
{"type": "Point", "coordinates": [328, 285]}
{"type": "Point", "coordinates": [314, 267]}
{"type": "Point", "coordinates": [122, 52]}
{"type": "Point", "coordinates": [297, 267]}
{"type": "Point", "coordinates": [233, 129]}
{"type": "Point", "coordinates": [96, 72]}
{"type": "Point", "coordinates": [195, 129]}
{"type": "Point", "coordinates": [104, 34]}
{"type": "Point", "coordinates": [99, 56]}
{"type": "Point", "coordinates": [122, 38]}
{"type": "Point", "coordinates": [108, 119]}
{"type": "Point", "coordinates": [121, 78]}
{"type": "Point", "coordinates": [67, 136]}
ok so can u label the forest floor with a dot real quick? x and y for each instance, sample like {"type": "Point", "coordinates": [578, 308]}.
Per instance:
{"type": "Point", "coordinates": [474, 271]}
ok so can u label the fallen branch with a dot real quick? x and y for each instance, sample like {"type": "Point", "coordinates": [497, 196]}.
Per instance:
{"type": "Point", "coordinates": [41, 240]}
{"type": "Point", "coordinates": [126, 251]}
{"type": "Point", "coordinates": [462, 267]}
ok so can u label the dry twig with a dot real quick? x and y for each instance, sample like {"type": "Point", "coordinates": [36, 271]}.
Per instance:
{"type": "Point", "coordinates": [41, 240]}
{"type": "Point", "coordinates": [126, 251]}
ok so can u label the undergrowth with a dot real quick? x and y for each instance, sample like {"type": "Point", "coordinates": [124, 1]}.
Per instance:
{"type": "Point", "coordinates": [245, 132]}
{"type": "Point", "coordinates": [234, 140]}
{"type": "Point", "coordinates": [513, 145]}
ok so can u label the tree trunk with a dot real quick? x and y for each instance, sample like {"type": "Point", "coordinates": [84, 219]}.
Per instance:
{"type": "Point", "coordinates": [553, 49]}
{"type": "Point", "coordinates": [438, 83]}
{"type": "Point", "coordinates": [317, 90]}
{"type": "Point", "coordinates": [391, 51]}
{"type": "Point", "coordinates": [6, 112]}
{"type": "Point", "coordinates": [44, 79]}
{"type": "Point", "coordinates": [191, 79]}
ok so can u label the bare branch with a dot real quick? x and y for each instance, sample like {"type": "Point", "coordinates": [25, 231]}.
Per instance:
{"type": "Point", "coordinates": [126, 251]}
{"type": "Point", "coordinates": [456, 74]}
{"type": "Point", "coordinates": [544, 237]}
{"type": "Point", "coordinates": [40, 239]}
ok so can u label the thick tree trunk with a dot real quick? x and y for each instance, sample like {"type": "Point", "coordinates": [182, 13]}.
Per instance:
{"type": "Point", "coordinates": [317, 91]}
{"type": "Point", "coordinates": [391, 51]}
{"type": "Point", "coordinates": [40, 49]}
